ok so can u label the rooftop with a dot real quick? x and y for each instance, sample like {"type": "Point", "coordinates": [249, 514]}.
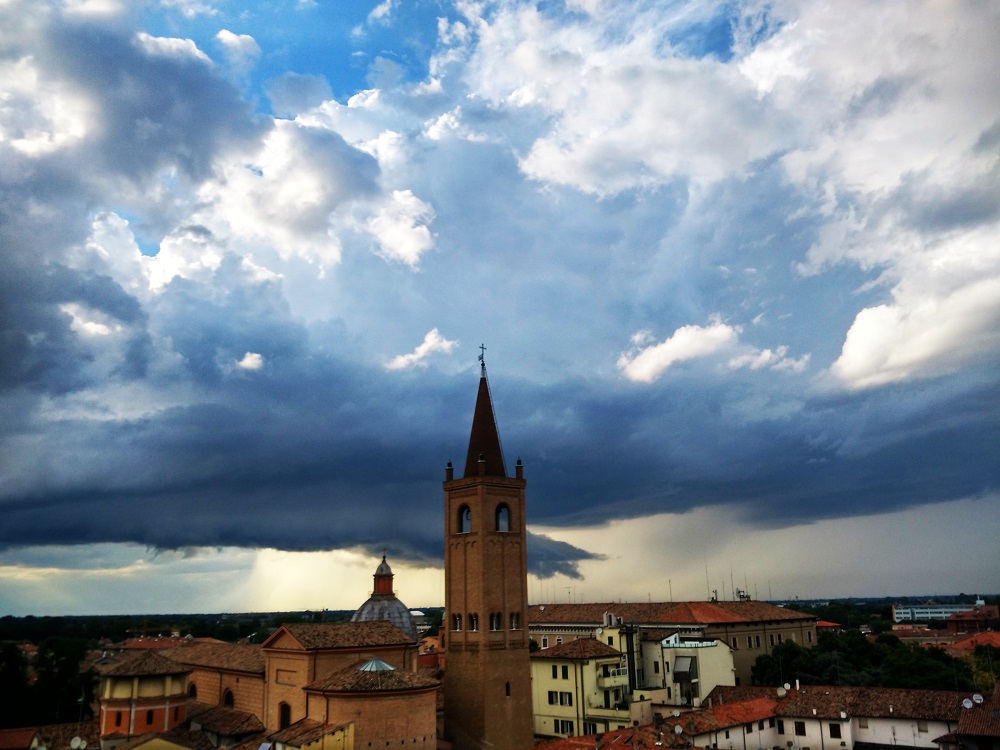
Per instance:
{"type": "Point", "coordinates": [342, 635]}
{"type": "Point", "coordinates": [581, 648]}
{"type": "Point", "coordinates": [363, 678]}
{"type": "Point", "coordinates": [228, 656]}
{"type": "Point", "coordinates": [663, 613]}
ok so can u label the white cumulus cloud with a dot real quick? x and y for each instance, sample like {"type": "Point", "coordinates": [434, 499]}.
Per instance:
{"type": "Point", "coordinates": [433, 342]}
{"type": "Point", "coordinates": [646, 364]}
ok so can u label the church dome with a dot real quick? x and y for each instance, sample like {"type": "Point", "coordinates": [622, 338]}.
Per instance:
{"type": "Point", "coordinates": [383, 604]}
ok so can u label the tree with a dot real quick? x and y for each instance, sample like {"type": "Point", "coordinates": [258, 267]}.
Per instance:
{"type": "Point", "coordinates": [13, 685]}
{"type": "Point", "coordinates": [62, 692]}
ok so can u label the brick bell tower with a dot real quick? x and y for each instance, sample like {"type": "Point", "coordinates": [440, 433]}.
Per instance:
{"type": "Point", "coordinates": [487, 682]}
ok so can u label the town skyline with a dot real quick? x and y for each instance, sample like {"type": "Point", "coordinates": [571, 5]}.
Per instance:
{"type": "Point", "coordinates": [735, 269]}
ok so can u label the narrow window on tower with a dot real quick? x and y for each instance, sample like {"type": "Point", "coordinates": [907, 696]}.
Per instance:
{"type": "Point", "coordinates": [474, 621]}
{"type": "Point", "coordinates": [456, 622]}
{"type": "Point", "coordinates": [507, 688]}
{"type": "Point", "coordinates": [503, 518]}
{"type": "Point", "coordinates": [495, 620]}
{"type": "Point", "coordinates": [515, 621]}
{"type": "Point", "coordinates": [464, 520]}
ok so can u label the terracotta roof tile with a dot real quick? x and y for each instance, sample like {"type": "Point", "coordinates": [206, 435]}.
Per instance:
{"type": "Point", "coordinates": [983, 719]}
{"type": "Point", "coordinates": [334, 635]}
{"type": "Point", "coordinates": [828, 701]}
{"type": "Point", "coordinates": [304, 731]}
{"type": "Point", "coordinates": [663, 613]}
{"type": "Point", "coordinates": [724, 716]}
{"type": "Point", "coordinates": [133, 663]}
{"type": "Point", "coordinates": [223, 720]}
{"type": "Point", "coordinates": [581, 648]}
{"type": "Point", "coordinates": [352, 680]}
{"type": "Point", "coordinates": [17, 739]}
{"type": "Point", "coordinates": [229, 656]}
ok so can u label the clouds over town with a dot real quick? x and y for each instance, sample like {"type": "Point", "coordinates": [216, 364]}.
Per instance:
{"type": "Point", "coordinates": [729, 261]}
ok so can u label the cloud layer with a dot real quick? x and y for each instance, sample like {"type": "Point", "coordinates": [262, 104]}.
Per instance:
{"type": "Point", "coordinates": [739, 255]}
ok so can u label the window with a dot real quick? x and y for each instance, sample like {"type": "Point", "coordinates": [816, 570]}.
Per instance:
{"type": "Point", "coordinates": [770, 639]}
{"type": "Point", "coordinates": [590, 727]}
{"type": "Point", "coordinates": [781, 726]}
{"type": "Point", "coordinates": [921, 726]}
{"type": "Point", "coordinates": [545, 641]}
{"type": "Point", "coordinates": [515, 621]}
{"type": "Point", "coordinates": [656, 667]}
{"type": "Point", "coordinates": [756, 641]}
{"type": "Point", "coordinates": [779, 637]}
{"type": "Point", "coordinates": [834, 730]}
{"type": "Point", "coordinates": [862, 722]}
{"type": "Point", "coordinates": [565, 699]}
{"type": "Point", "coordinates": [284, 716]}
{"type": "Point", "coordinates": [564, 727]}
{"type": "Point", "coordinates": [553, 698]}
{"type": "Point", "coordinates": [555, 671]}
{"type": "Point", "coordinates": [177, 712]}
{"type": "Point", "coordinates": [503, 518]}
{"type": "Point", "coordinates": [464, 520]}
{"type": "Point", "coordinates": [611, 640]}
{"type": "Point", "coordinates": [558, 639]}
{"type": "Point", "coordinates": [770, 722]}
{"type": "Point", "coordinates": [149, 717]}
{"type": "Point", "coordinates": [506, 689]}
{"type": "Point", "coordinates": [809, 636]}
{"type": "Point", "coordinates": [760, 724]}
{"type": "Point", "coordinates": [668, 694]}
{"type": "Point", "coordinates": [565, 672]}
{"type": "Point", "coordinates": [734, 641]}
{"type": "Point", "coordinates": [749, 728]}
{"type": "Point", "coordinates": [474, 621]}
{"type": "Point", "coordinates": [192, 691]}
{"type": "Point", "coordinates": [227, 699]}
{"type": "Point", "coordinates": [456, 622]}
{"type": "Point", "coordinates": [118, 718]}
{"type": "Point", "coordinates": [749, 641]}
{"type": "Point", "coordinates": [495, 619]}
{"type": "Point", "coordinates": [800, 729]}
{"type": "Point", "coordinates": [727, 734]}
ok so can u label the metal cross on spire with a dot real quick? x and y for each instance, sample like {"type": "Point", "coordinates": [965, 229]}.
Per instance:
{"type": "Point", "coordinates": [482, 356]}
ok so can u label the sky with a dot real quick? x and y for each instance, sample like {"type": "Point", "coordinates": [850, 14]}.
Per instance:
{"type": "Point", "coordinates": [735, 266]}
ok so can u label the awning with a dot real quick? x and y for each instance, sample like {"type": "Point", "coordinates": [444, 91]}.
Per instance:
{"type": "Point", "coordinates": [682, 664]}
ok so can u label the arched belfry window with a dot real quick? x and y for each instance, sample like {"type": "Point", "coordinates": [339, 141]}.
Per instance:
{"type": "Point", "coordinates": [473, 621]}
{"type": "Point", "coordinates": [456, 622]}
{"type": "Point", "coordinates": [464, 520]}
{"type": "Point", "coordinates": [503, 518]}
{"type": "Point", "coordinates": [284, 716]}
{"type": "Point", "coordinates": [192, 691]}
{"type": "Point", "coordinates": [227, 699]}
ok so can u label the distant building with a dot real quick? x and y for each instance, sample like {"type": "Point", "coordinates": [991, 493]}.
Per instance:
{"type": "Point", "coordinates": [929, 611]}
{"type": "Point", "coordinates": [749, 628]}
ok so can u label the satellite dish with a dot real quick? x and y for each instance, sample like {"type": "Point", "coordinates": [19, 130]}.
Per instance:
{"type": "Point", "coordinates": [83, 744]}
{"type": "Point", "coordinates": [782, 692]}
{"type": "Point", "coordinates": [977, 698]}
{"type": "Point", "coordinates": [967, 703]}
{"type": "Point", "coordinates": [676, 713]}
{"type": "Point", "coordinates": [678, 729]}
{"type": "Point", "coordinates": [75, 743]}
{"type": "Point", "coordinates": [600, 630]}
{"type": "Point", "coordinates": [786, 686]}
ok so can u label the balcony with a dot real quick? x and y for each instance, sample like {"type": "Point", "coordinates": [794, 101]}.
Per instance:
{"type": "Point", "coordinates": [614, 678]}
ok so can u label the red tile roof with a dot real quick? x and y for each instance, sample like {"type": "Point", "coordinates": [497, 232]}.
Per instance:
{"type": "Point", "coordinates": [343, 635]}
{"type": "Point", "coordinates": [663, 613]}
{"type": "Point", "coordinates": [967, 645]}
{"type": "Point", "coordinates": [228, 656]}
{"type": "Point", "coordinates": [229, 722]}
{"type": "Point", "coordinates": [983, 719]}
{"type": "Point", "coordinates": [581, 648]}
{"type": "Point", "coordinates": [724, 716]}
{"type": "Point", "coordinates": [17, 739]}
{"type": "Point", "coordinates": [304, 731]}
{"type": "Point", "coordinates": [828, 701]}
{"type": "Point", "coordinates": [352, 680]}
{"type": "Point", "coordinates": [134, 663]}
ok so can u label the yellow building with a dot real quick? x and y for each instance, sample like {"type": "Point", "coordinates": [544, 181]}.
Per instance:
{"type": "Point", "coordinates": [579, 687]}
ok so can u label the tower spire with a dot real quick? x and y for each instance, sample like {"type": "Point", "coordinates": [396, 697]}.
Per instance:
{"type": "Point", "coordinates": [485, 456]}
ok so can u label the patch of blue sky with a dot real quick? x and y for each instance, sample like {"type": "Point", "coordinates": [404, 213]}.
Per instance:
{"type": "Point", "coordinates": [340, 42]}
